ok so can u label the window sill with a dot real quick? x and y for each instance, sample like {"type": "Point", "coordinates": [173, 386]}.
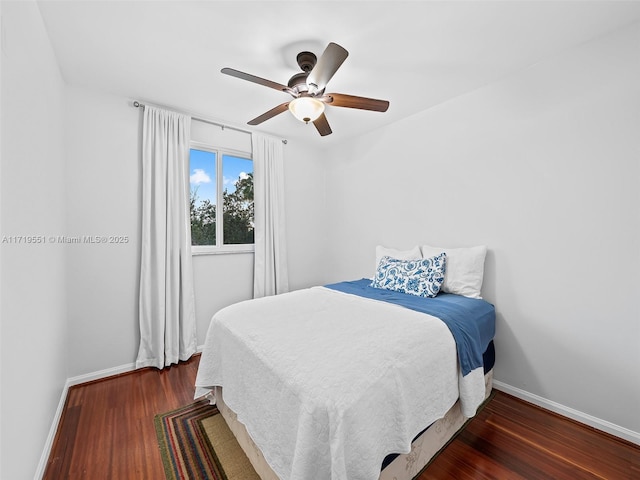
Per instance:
{"type": "Point", "coordinates": [227, 249]}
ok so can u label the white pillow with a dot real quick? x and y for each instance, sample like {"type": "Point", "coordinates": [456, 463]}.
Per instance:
{"type": "Point", "coordinates": [465, 269]}
{"type": "Point", "coordinates": [413, 254]}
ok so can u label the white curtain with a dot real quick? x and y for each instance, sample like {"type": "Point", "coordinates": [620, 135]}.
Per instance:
{"type": "Point", "coordinates": [167, 305]}
{"type": "Point", "coordinates": [270, 269]}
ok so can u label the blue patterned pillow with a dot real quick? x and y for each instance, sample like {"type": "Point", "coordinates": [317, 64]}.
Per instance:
{"type": "Point", "coordinates": [422, 277]}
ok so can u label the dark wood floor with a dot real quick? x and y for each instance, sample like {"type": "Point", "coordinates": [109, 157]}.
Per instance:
{"type": "Point", "coordinates": [512, 439]}
{"type": "Point", "coordinates": [107, 432]}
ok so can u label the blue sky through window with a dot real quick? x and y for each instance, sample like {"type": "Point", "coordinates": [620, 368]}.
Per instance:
{"type": "Point", "coordinates": [234, 168]}
{"type": "Point", "coordinates": [202, 173]}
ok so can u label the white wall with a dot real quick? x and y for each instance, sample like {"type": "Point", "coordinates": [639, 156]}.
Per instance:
{"type": "Point", "coordinates": [103, 199]}
{"type": "Point", "coordinates": [543, 167]}
{"type": "Point", "coordinates": [34, 328]}
{"type": "Point", "coordinates": [306, 215]}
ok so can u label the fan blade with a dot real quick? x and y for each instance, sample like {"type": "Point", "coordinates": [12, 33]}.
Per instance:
{"type": "Point", "coordinates": [352, 101]}
{"type": "Point", "coordinates": [322, 125]}
{"type": "Point", "coordinates": [254, 79]}
{"type": "Point", "coordinates": [270, 114]}
{"type": "Point", "coordinates": [326, 66]}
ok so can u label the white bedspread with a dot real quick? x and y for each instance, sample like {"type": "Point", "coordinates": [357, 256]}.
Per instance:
{"type": "Point", "coordinates": [326, 383]}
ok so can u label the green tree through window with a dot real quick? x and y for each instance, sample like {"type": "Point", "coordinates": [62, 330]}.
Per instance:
{"type": "Point", "coordinates": [238, 212]}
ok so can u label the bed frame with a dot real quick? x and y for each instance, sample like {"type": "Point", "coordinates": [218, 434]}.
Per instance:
{"type": "Point", "coordinates": [402, 467]}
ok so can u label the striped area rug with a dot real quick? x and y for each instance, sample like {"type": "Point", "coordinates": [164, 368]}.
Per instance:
{"type": "Point", "coordinates": [196, 444]}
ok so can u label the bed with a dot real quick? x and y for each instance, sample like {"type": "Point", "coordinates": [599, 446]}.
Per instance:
{"type": "Point", "coordinates": [348, 381]}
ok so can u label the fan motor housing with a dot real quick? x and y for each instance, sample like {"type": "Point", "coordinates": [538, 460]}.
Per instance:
{"type": "Point", "coordinates": [306, 61]}
{"type": "Point", "coordinates": [299, 81]}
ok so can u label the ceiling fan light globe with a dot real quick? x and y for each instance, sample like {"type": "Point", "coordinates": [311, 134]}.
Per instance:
{"type": "Point", "coordinates": [306, 109]}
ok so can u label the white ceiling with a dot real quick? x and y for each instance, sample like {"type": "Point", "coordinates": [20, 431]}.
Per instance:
{"type": "Point", "coordinates": [415, 54]}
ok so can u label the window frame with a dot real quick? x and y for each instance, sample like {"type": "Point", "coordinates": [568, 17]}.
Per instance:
{"type": "Point", "coordinates": [223, 248]}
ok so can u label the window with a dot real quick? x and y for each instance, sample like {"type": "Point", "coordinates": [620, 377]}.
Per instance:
{"type": "Point", "coordinates": [221, 200]}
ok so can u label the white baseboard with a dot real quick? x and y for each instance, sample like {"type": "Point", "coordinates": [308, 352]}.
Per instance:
{"type": "Point", "coordinates": [44, 458]}
{"type": "Point", "coordinates": [100, 374]}
{"type": "Point", "coordinates": [77, 380]}
{"type": "Point", "coordinates": [568, 412]}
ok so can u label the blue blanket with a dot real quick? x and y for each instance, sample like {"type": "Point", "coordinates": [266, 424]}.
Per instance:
{"type": "Point", "coordinates": [472, 321]}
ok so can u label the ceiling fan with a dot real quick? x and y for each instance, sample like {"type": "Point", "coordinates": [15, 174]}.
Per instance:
{"type": "Point", "coordinates": [307, 89]}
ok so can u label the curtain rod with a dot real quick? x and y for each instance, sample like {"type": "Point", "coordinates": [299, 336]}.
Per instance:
{"type": "Point", "coordinates": [205, 120]}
